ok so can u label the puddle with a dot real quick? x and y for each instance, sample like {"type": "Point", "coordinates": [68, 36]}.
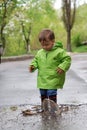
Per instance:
{"type": "Point", "coordinates": [72, 117]}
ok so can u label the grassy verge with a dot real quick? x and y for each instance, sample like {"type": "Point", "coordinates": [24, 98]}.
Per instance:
{"type": "Point", "coordinates": [80, 49]}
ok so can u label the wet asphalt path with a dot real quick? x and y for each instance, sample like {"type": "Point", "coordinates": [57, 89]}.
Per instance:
{"type": "Point", "coordinates": [18, 87]}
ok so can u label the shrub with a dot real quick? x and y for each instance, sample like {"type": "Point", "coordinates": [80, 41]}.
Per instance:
{"type": "Point", "coordinates": [77, 40]}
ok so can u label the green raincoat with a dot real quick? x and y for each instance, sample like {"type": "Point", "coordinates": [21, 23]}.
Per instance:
{"type": "Point", "coordinates": [47, 63]}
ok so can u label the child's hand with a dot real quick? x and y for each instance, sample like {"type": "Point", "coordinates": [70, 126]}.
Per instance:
{"type": "Point", "coordinates": [31, 68]}
{"type": "Point", "coordinates": [60, 71]}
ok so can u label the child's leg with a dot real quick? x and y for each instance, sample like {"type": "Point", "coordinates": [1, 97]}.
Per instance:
{"type": "Point", "coordinates": [43, 97]}
{"type": "Point", "coordinates": [43, 93]}
{"type": "Point", "coordinates": [52, 94]}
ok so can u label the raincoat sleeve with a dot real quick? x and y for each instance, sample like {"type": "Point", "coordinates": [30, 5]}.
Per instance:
{"type": "Point", "coordinates": [65, 61]}
{"type": "Point", "coordinates": [35, 63]}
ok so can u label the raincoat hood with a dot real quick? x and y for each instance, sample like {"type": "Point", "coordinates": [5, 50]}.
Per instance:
{"type": "Point", "coordinates": [57, 45]}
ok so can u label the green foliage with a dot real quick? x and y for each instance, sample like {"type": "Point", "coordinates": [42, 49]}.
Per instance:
{"type": "Point", "coordinates": [41, 15]}
{"type": "Point", "coordinates": [79, 33]}
{"type": "Point", "coordinates": [77, 40]}
{"type": "Point", "coordinates": [80, 22]}
{"type": "Point", "coordinates": [6, 9]}
{"type": "Point", "coordinates": [14, 48]}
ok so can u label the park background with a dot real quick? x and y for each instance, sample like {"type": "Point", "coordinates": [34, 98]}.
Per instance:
{"type": "Point", "coordinates": [21, 22]}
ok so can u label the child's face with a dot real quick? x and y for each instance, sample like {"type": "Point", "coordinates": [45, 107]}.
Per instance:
{"type": "Point", "coordinates": [47, 45]}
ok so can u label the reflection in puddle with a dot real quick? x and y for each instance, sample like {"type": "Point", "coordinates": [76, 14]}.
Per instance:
{"type": "Point", "coordinates": [50, 122]}
{"type": "Point", "coordinates": [68, 120]}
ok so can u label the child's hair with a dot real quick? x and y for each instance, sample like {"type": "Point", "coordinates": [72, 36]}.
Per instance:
{"type": "Point", "coordinates": [46, 34]}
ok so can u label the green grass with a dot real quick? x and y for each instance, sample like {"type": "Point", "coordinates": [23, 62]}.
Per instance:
{"type": "Point", "coordinates": [80, 49]}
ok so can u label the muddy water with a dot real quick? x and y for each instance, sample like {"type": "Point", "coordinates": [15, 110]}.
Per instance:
{"type": "Point", "coordinates": [71, 118]}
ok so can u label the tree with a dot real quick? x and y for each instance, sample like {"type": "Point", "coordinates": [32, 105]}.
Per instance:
{"type": "Point", "coordinates": [24, 24]}
{"type": "Point", "coordinates": [68, 17]}
{"type": "Point", "coordinates": [31, 15]}
{"type": "Point", "coordinates": [6, 8]}
{"type": "Point", "coordinates": [26, 34]}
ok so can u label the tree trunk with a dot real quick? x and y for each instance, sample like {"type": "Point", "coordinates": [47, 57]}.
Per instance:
{"type": "Point", "coordinates": [28, 48]}
{"type": "Point", "coordinates": [68, 18]}
{"type": "Point", "coordinates": [69, 41]}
